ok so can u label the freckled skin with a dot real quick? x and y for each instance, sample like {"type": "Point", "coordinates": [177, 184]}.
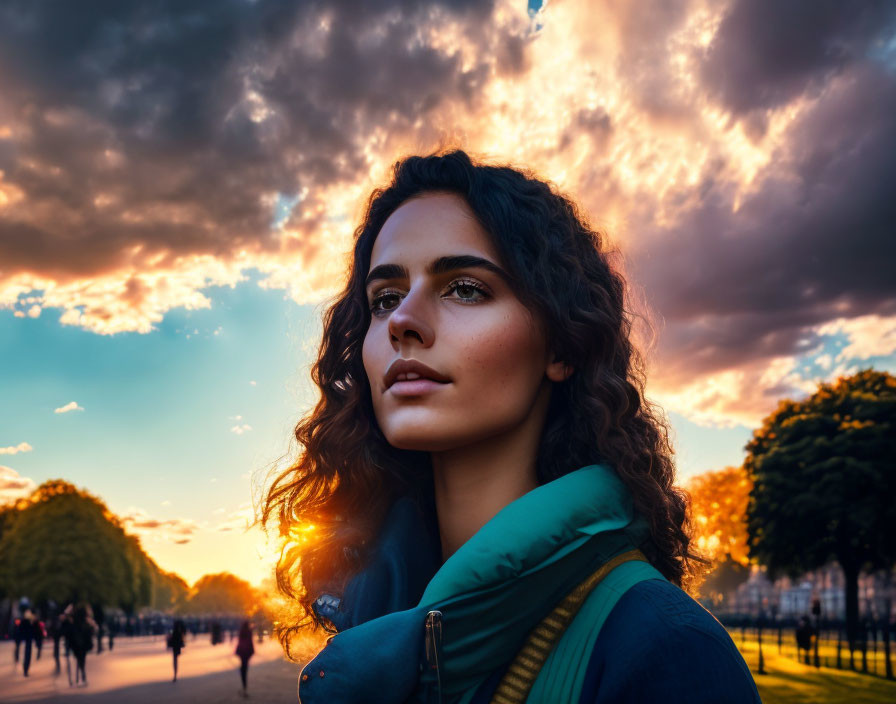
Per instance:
{"type": "Point", "coordinates": [490, 346]}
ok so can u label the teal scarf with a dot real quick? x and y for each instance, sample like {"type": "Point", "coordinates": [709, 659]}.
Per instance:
{"type": "Point", "coordinates": [491, 593]}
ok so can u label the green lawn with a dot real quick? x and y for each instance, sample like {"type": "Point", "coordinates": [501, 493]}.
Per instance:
{"type": "Point", "coordinates": [787, 681]}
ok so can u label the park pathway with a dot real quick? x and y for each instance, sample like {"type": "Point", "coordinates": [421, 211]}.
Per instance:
{"type": "Point", "coordinates": [139, 671]}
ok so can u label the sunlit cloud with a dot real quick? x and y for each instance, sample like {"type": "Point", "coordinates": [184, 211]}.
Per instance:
{"type": "Point", "coordinates": [133, 299]}
{"type": "Point", "coordinates": [746, 394]}
{"type": "Point", "coordinates": [70, 406]}
{"type": "Point", "coordinates": [742, 396]}
{"type": "Point", "coordinates": [239, 520]}
{"type": "Point", "coordinates": [13, 485]}
{"type": "Point", "coordinates": [726, 178]}
{"type": "Point", "coordinates": [16, 449]}
{"type": "Point", "coordinates": [868, 335]}
{"type": "Point", "coordinates": [239, 428]}
{"type": "Point", "coordinates": [174, 530]}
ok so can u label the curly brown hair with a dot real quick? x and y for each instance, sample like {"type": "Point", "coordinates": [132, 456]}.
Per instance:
{"type": "Point", "coordinates": [347, 474]}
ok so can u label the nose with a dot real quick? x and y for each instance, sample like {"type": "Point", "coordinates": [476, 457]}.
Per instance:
{"type": "Point", "coordinates": [410, 320]}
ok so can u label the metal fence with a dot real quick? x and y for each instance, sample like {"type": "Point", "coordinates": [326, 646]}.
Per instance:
{"type": "Point", "coordinates": [827, 645]}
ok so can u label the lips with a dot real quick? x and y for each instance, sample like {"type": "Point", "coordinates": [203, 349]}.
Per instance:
{"type": "Point", "coordinates": [411, 370]}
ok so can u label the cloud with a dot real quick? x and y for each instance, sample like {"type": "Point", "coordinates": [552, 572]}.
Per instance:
{"type": "Point", "coordinates": [126, 190]}
{"type": "Point", "coordinates": [745, 394]}
{"type": "Point", "coordinates": [238, 520]}
{"type": "Point", "coordinates": [868, 336]}
{"type": "Point", "coordinates": [824, 361]}
{"type": "Point", "coordinates": [174, 530]}
{"type": "Point", "coordinates": [765, 53]}
{"type": "Point", "coordinates": [13, 485]}
{"type": "Point", "coordinates": [738, 156]}
{"type": "Point", "coordinates": [70, 406]}
{"type": "Point", "coordinates": [16, 449]}
{"type": "Point", "coordinates": [240, 429]}
{"type": "Point", "coordinates": [737, 396]}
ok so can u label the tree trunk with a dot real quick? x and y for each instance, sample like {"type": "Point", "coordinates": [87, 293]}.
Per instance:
{"type": "Point", "coordinates": [874, 645]}
{"type": "Point", "coordinates": [888, 665]}
{"type": "Point", "coordinates": [761, 670]}
{"type": "Point", "coordinates": [817, 641]}
{"type": "Point", "coordinates": [839, 641]}
{"type": "Point", "coordinates": [887, 662]}
{"type": "Point", "coordinates": [851, 577]}
{"type": "Point", "coordinates": [864, 648]}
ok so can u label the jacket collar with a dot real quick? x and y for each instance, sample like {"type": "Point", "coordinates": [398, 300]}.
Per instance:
{"type": "Point", "coordinates": [490, 593]}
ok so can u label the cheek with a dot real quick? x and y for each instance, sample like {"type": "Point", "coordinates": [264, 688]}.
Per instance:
{"type": "Point", "coordinates": [508, 355]}
{"type": "Point", "coordinates": [372, 361]}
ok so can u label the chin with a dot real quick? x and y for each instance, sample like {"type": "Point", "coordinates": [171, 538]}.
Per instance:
{"type": "Point", "coordinates": [423, 434]}
{"type": "Point", "coordinates": [420, 440]}
{"type": "Point", "coordinates": [437, 435]}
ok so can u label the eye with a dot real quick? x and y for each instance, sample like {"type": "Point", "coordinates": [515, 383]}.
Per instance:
{"type": "Point", "coordinates": [384, 301]}
{"type": "Point", "coordinates": [468, 291]}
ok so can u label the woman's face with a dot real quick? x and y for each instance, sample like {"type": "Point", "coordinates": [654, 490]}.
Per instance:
{"type": "Point", "coordinates": [439, 297]}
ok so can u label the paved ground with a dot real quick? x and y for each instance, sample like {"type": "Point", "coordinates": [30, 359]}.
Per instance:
{"type": "Point", "coordinates": [139, 671]}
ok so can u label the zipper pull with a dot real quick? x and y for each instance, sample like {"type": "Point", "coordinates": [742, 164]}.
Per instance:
{"type": "Point", "coordinates": [434, 646]}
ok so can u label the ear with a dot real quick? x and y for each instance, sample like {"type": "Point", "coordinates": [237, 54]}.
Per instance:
{"type": "Point", "coordinates": [558, 370]}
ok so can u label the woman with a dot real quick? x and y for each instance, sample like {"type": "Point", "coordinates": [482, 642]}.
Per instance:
{"type": "Point", "coordinates": [245, 650]}
{"type": "Point", "coordinates": [80, 641]}
{"type": "Point", "coordinates": [177, 642]}
{"type": "Point", "coordinates": [484, 507]}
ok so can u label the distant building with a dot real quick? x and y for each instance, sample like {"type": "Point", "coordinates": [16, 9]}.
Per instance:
{"type": "Point", "coordinates": [793, 597]}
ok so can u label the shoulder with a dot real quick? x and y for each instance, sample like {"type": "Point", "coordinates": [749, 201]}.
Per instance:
{"type": "Point", "coordinates": [659, 644]}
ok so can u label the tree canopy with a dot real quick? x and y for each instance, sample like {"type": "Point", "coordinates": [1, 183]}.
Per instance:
{"type": "Point", "coordinates": [718, 509]}
{"type": "Point", "coordinates": [719, 513]}
{"type": "Point", "coordinates": [223, 593]}
{"type": "Point", "coordinates": [824, 474]}
{"type": "Point", "coordinates": [63, 544]}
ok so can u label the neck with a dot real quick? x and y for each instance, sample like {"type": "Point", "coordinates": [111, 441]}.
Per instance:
{"type": "Point", "coordinates": [476, 481]}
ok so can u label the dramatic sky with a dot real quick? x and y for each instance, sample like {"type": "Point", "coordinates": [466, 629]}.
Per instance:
{"type": "Point", "coordinates": [179, 182]}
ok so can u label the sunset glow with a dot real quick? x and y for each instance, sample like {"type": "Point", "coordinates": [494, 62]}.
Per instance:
{"type": "Point", "coordinates": [165, 254]}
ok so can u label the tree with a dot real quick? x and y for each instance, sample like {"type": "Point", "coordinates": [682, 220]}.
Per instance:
{"type": "Point", "coordinates": [169, 592]}
{"type": "Point", "coordinates": [62, 543]}
{"type": "Point", "coordinates": [719, 512]}
{"type": "Point", "coordinates": [718, 509]}
{"type": "Point", "coordinates": [824, 473]}
{"type": "Point", "coordinates": [8, 514]}
{"type": "Point", "coordinates": [61, 547]}
{"type": "Point", "coordinates": [221, 592]}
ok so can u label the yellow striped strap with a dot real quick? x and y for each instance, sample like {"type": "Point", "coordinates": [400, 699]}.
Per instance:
{"type": "Point", "coordinates": [517, 681]}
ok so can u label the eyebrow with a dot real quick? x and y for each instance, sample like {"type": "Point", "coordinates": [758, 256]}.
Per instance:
{"type": "Point", "coordinates": [442, 265]}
